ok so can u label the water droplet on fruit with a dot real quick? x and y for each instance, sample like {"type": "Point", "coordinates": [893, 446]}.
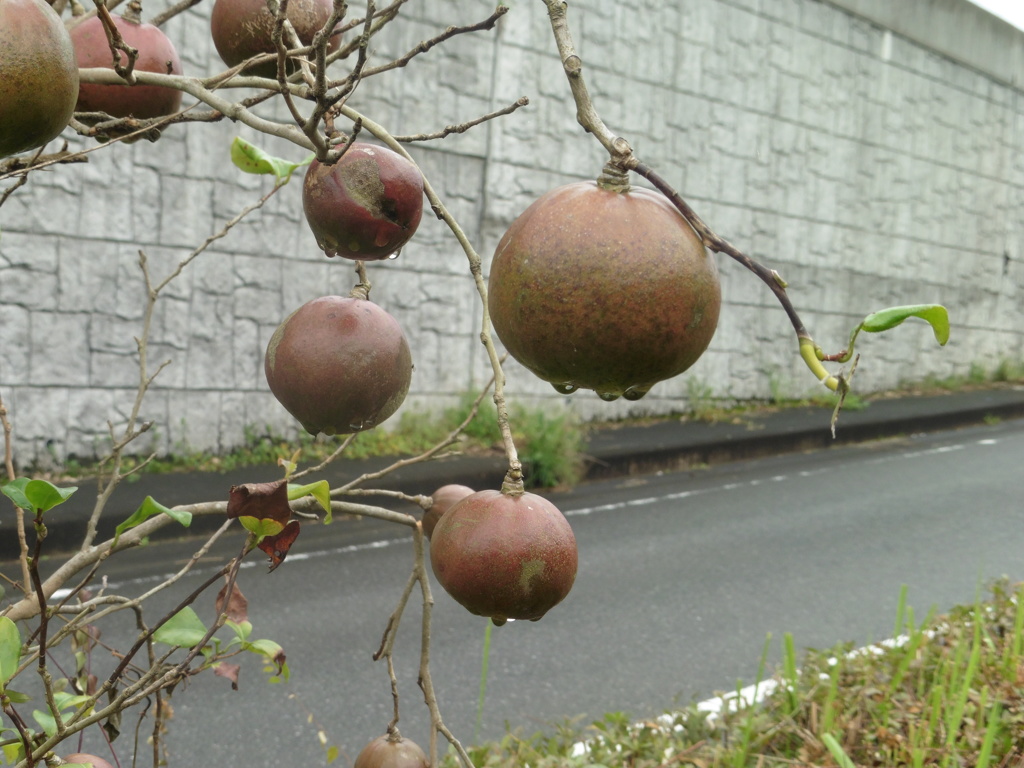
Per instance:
{"type": "Point", "coordinates": [565, 389]}
{"type": "Point", "coordinates": [498, 621]}
{"type": "Point", "coordinates": [635, 393]}
{"type": "Point", "coordinates": [393, 256]}
{"type": "Point", "coordinates": [608, 396]}
{"type": "Point", "coordinates": [330, 252]}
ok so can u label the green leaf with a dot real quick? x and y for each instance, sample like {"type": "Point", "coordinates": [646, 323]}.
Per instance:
{"type": "Point", "coordinates": [261, 527]}
{"type": "Point", "coordinates": [46, 721]}
{"type": "Point", "coordinates": [252, 159]}
{"type": "Point", "coordinates": [934, 314]}
{"type": "Point", "coordinates": [16, 697]}
{"type": "Point", "coordinates": [184, 629]}
{"type": "Point", "coordinates": [36, 495]}
{"type": "Point", "coordinates": [320, 491]}
{"type": "Point", "coordinates": [45, 495]}
{"type": "Point", "coordinates": [10, 649]}
{"type": "Point", "coordinates": [242, 631]}
{"type": "Point", "coordinates": [15, 491]}
{"type": "Point", "coordinates": [146, 510]}
{"type": "Point", "coordinates": [14, 752]}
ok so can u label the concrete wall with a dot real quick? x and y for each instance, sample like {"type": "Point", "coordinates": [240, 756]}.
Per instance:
{"type": "Point", "coordinates": [871, 165]}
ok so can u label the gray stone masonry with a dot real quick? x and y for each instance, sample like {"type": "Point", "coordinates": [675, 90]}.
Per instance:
{"type": "Point", "coordinates": [872, 157]}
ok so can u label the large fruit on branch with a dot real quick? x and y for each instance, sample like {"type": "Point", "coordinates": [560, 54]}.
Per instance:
{"type": "Point", "coordinates": [339, 365]}
{"type": "Point", "coordinates": [388, 752]}
{"type": "Point", "coordinates": [156, 54]}
{"type": "Point", "coordinates": [39, 82]}
{"type": "Point", "coordinates": [504, 555]}
{"type": "Point", "coordinates": [597, 288]}
{"type": "Point", "coordinates": [242, 29]}
{"type": "Point", "coordinates": [366, 206]}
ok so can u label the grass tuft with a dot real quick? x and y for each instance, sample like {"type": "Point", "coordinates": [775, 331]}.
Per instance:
{"type": "Point", "coordinates": [949, 692]}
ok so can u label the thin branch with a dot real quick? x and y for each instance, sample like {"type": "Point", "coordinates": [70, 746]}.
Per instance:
{"type": "Point", "coordinates": [515, 470]}
{"type": "Point", "coordinates": [449, 33]}
{"type": "Point", "coordinates": [19, 513]}
{"type": "Point", "coordinates": [430, 453]}
{"type": "Point", "coordinates": [169, 13]}
{"type": "Point", "coordinates": [463, 127]}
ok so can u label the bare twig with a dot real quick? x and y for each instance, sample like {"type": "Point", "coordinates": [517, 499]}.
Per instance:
{"type": "Point", "coordinates": [426, 455]}
{"type": "Point", "coordinates": [463, 127]}
{"type": "Point", "coordinates": [19, 513]}
{"type": "Point", "coordinates": [169, 13]}
{"type": "Point", "coordinates": [426, 45]}
{"type": "Point", "coordinates": [476, 269]}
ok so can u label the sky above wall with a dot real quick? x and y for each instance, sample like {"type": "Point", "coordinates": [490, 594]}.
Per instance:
{"type": "Point", "coordinates": [1010, 10]}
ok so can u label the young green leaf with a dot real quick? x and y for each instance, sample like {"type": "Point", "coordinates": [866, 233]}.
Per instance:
{"type": "Point", "coordinates": [261, 527]}
{"type": "Point", "coordinates": [146, 510]}
{"type": "Point", "coordinates": [320, 491]}
{"type": "Point", "coordinates": [45, 495]}
{"type": "Point", "coordinates": [252, 159]}
{"type": "Point", "coordinates": [934, 314]}
{"type": "Point", "coordinates": [46, 721]}
{"type": "Point", "coordinates": [15, 491]}
{"type": "Point", "coordinates": [184, 629]}
{"type": "Point", "coordinates": [10, 650]}
{"type": "Point", "coordinates": [36, 495]}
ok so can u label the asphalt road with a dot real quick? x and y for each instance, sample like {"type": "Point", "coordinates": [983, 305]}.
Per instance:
{"type": "Point", "coordinates": [681, 576]}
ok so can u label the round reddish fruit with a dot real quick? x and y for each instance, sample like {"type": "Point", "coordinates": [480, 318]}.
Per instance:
{"type": "Point", "coordinates": [39, 85]}
{"type": "Point", "coordinates": [504, 556]}
{"type": "Point", "coordinates": [242, 29]}
{"type": "Point", "coordinates": [81, 757]}
{"type": "Point", "coordinates": [384, 753]}
{"type": "Point", "coordinates": [339, 365]}
{"type": "Point", "coordinates": [156, 54]}
{"type": "Point", "coordinates": [605, 290]}
{"type": "Point", "coordinates": [366, 206]}
{"type": "Point", "coordinates": [444, 497]}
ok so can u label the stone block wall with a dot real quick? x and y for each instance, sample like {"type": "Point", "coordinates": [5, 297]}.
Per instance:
{"type": "Point", "coordinates": [869, 166]}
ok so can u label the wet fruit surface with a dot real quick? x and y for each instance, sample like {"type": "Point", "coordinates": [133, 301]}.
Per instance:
{"type": "Point", "coordinates": [596, 289]}
{"type": "Point", "coordinates": [242, 29]}
{"type": "Point", "coordinates": [366, 206]}
{"type": "Point", "coordinates": [39, 86]}
{"type": "Point", "coordinates": [156, 54]}
{"type": "Point", "coordinates": [339, 365]}
{"type": "Point", "coordinates": [504, 556]}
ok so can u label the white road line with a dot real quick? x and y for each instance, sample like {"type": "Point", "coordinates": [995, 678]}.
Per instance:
{"type": "Point", "coordinates": [578, 512]}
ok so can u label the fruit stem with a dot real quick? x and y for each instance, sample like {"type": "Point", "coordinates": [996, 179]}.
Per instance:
{"type": "Point", "coordinates": [133, 13]}
{"type": "Point", "coordinates": [512, 485]}
{"type": "Point", "coordinates": [613, 178]}
{"type": "Point", "coordinates": [361, 290]}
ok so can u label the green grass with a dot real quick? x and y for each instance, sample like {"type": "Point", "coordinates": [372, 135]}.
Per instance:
{"type": "Point", "coordinates": [950, 693]}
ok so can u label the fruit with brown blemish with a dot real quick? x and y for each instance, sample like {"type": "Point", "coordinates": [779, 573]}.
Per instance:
{"type": "Point", "coordinates": [603, 288]}
{"type": "Point", "coordinates": [365, 206]}
{"type": "Point", "coordinates": [339, 365]}
{"type": "Point", "coordinates": [504, 554]}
